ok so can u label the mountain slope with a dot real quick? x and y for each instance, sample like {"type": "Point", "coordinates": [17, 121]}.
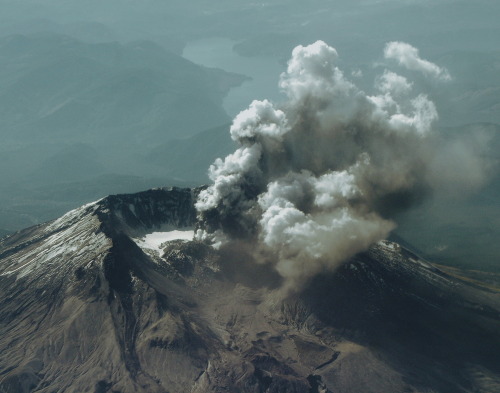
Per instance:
{"type": "Point", "coordinates": [105, 299]}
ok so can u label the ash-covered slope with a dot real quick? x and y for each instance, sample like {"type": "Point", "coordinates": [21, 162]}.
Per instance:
{"type": "Point", "coordinates": [97, 302]}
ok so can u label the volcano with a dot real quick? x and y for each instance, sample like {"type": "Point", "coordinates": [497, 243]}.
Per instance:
{"type": "Point", "coordinates": [115, 297]}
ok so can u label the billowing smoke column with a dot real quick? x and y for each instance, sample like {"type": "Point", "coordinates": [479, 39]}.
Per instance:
{"type": "Point", "coordinates": [319, 179]}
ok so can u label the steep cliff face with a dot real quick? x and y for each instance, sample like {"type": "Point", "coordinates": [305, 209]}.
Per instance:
{"type": "Point", "coordinates": [114, 297]}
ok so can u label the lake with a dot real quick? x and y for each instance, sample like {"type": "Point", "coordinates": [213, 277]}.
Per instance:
{"type": "Point", "coordinates": [218, 53]}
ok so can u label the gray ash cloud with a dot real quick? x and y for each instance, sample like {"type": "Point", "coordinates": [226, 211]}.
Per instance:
{"type": "Point", "coordinates": [320, 177]}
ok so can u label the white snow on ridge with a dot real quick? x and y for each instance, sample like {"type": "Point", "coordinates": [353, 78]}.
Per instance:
{"type": "Point", "coordinates": [389, 245]}
{"type": "Point", "coordinates": [73, 240]}
{"type": "Point", "coordinates": [74, 215]}
{"type": "Point", "coordinates": [153, 241]}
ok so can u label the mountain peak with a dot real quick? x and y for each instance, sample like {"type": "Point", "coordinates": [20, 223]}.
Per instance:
{"type": "Point", "coordinates": [115, 297]}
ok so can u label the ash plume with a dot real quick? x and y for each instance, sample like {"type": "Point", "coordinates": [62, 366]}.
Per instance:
{"type": "Point", "coordinates": [409, 57]}
{"type": "Point", "coordinates": [321, 177]}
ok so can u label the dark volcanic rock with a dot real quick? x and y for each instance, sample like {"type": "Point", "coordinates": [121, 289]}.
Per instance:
{"type": "Point", "coordinates": [88, 305]}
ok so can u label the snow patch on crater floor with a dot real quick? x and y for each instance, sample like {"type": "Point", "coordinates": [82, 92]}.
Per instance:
{"type": "Point", "coordinates": [153, 241]}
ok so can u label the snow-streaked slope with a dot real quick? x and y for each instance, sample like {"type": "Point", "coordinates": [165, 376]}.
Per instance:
{"type": "Point", "coordinates": [55, 249]}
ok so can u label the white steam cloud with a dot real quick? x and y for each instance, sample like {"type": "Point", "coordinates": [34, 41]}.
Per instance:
{"type": "Point", "coordinates": [408, 56]}
{"type": "Point", "coordinates": [320, 179]}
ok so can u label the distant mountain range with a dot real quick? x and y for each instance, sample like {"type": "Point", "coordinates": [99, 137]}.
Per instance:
{"type": "Point", "coordinates": [73, 112]}
{"type": "Point", "coordinates": [58, 87]}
